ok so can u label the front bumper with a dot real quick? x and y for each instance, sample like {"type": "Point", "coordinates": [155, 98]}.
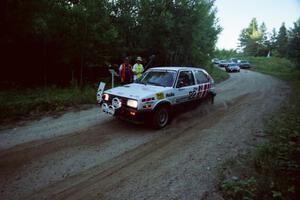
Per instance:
{"type": "Point", "coordinates": [126, 113]}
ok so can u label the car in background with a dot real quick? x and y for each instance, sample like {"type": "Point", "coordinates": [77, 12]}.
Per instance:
{"type": "Point", "coordinates": [244, 64]}
{"type": "Point", "coordinates": [232, 67]}
{"type": "Point", "coordinates": [223, 63]}
{"type": "Point", "coordinates": [156, 93]}
{"type": "Point", "coordinates": [215, 61]}
{"type": "Point", "coordinates": [233, 60]}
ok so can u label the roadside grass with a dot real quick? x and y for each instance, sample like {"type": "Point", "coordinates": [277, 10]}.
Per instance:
{"type": "Point", "coordinates": [273, 170]}
{"type": "Point", "coordinates": [19, 103]}
{"type": "Point", "coordinates": [217, 74]}
{"type": "Point", "coordinates": [279, 67]}
{"type": "Point", "coordinates": [15, 104]}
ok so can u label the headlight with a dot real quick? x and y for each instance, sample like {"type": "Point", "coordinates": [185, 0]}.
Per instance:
{"type": "Point", "coordinates": [132, 103]}
{"type": "Point", "coordinates": [106, 97]}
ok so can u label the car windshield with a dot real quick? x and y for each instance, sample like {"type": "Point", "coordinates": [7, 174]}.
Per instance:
{"type": "Point", "coordinates": [243, 61]}
{"type": "Point", "coordinates": [232, 65]}
{"type": "Point", "coordinates": [158, 78]}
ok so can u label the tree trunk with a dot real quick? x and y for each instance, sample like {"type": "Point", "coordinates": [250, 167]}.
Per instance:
{"type": "Point", "coordinates": [45, 77]}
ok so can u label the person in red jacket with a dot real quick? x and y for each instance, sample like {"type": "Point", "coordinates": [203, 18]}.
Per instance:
{"type": "Point", "coordinates": [125, 71]}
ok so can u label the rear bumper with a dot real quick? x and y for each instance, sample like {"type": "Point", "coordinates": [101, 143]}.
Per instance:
{"type": "Point", "coordinates": [232, 70]}
{"type": "Point", "coordinates": [244, 66]}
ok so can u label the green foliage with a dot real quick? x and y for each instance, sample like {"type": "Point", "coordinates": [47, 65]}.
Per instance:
{"type": "Point", "coordinates": [280, 67]}
{"type": "Point", "coordinates": [282, 41]}
{"type": "Point", "coordinates": [217, 74]}
{"type": "Point", "coordinates": [239, 188]}
{"type": "Point", "coordinates": [15, 104]}
{"type": "Point", "coordinates": [63, 39]}
{"type": "Point", "coordinates": [294, 44]}
{"type": "Point", "coordinates": [253, 40]}
{"type": "Point", "coordinates": [256, 41]}
{"type": "Point", "coordinates": [227, 54]}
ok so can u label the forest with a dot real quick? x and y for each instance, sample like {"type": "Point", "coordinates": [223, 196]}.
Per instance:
{"type": "Point", "coordinates": [255, 40]}
{"type": "Point", "coordinates": [74, 42]}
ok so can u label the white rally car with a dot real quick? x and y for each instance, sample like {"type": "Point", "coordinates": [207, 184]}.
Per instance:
{"type": "Point", "coordinates": [154, 95]}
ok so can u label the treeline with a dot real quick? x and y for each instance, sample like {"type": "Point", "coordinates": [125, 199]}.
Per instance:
{"type": "Point", "coordinates": [256, 41]}
{"type": "Point", "coordinates": [73, 41]}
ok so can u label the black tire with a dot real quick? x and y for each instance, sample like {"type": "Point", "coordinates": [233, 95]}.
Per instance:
{"type": "Point", "coordinates": [161, 117]}
{"type": "Point", "coordinates": [212, 97]}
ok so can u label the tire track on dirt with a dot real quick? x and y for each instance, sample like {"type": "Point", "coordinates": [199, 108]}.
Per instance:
{"type": "Point", "coordinates": [67, 189]}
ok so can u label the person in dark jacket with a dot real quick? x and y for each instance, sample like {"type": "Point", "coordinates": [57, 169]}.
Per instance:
{"type": "Point", "coordinates": [126, 72]}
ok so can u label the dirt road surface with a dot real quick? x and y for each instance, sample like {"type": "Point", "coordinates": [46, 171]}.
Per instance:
{"type": "Point", "coordinates": [88, 155]}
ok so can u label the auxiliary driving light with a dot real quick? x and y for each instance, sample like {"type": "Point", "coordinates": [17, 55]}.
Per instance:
{"type": "Point", "coordinates": [106, 97]}
{"type": "Point", "coordinates": [133, 113]}
{"type": "Point", "coordinates": [116, 103]}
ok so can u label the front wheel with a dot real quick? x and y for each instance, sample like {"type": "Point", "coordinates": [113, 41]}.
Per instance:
{"type": "Point", "coordinates": [161, 117]}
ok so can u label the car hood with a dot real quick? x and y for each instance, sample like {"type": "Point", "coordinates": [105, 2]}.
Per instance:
{"type": "Point", "coordinates": [136, 91]}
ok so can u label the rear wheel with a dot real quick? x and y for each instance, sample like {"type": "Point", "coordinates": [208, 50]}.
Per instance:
{"type": "Point", "coordinates": [161, 117]}
{"type": "Point", "coordinates": [211, 97]}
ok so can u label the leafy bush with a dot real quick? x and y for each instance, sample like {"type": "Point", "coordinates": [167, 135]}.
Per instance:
{"type": "Point", "coordinates": [239, 189]}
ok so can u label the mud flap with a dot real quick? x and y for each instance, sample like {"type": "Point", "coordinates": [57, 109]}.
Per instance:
{"type": "Point", "coordinates": [212, 94]}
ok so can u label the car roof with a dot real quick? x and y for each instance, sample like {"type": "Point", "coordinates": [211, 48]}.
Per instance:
{"type": "Point", "coordinates": [176, 68]}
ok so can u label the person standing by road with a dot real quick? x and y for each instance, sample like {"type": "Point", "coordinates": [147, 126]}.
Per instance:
{"type": "Point", "coordinates": [126, 72]}
{"type": "Point", "coordinates": [138, 68]}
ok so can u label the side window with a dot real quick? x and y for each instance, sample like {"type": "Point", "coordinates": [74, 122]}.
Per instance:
{"type": "Point", "coordinates": [201, 77]}
{"type": "Point", "coordinates": [185, 78]}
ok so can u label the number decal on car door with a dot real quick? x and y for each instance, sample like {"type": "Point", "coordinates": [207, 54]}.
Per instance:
{"type": "Point", "coordinates": [193, 94]}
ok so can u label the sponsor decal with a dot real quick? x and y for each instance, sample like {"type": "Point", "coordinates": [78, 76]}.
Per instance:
{"type": "Point", "coordinates": [160, 95]}
{"type": "Point", "coordinates": [170, 94]}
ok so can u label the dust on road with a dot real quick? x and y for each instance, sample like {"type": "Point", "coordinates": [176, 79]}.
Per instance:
{"type": "Point", "coordinates": [96, 157]}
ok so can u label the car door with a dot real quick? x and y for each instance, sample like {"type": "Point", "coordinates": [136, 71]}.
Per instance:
{"type": "Point", "coordinates": [186, 89]}
{"type": "Point", "coordinates": [203, 83]}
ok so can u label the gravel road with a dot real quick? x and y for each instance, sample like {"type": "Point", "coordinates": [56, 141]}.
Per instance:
{"type": "Point", "coordinates": [88, 155]}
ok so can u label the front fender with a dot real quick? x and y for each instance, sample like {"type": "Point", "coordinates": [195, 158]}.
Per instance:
{"type": "Point", "coordinates": [162, 102]}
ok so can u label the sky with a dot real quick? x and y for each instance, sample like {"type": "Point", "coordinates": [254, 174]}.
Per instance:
{"type": "Point", "coordinates": [234, 15]}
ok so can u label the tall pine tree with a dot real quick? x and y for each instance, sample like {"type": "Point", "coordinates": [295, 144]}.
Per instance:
{"type": "Point", "coordinates": [282, 41]}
